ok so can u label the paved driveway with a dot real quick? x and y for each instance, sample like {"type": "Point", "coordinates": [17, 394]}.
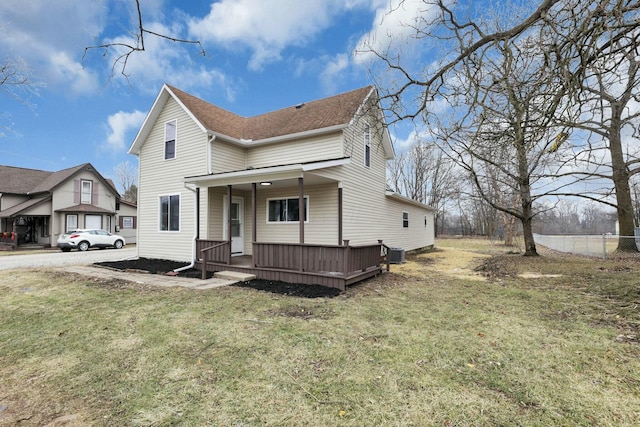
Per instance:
{"type": "Point", "coordinates": [59, 259]}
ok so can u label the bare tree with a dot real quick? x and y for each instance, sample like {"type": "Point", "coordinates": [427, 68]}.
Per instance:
{"type": "Point", "coordinates": [424, 173]}
{"type": "Point", "coordinates": [124, 50]}
{"type": "Point", "coordinates": [503, 103]}
{"type": "Point", "coordinates": [17, 81]}
{"type": "Point", "coordinates": [127, 177]}
{"type": "Point", "coordinates": [587, 47]}
{"type": "Point", "coordinates": [602, 74]}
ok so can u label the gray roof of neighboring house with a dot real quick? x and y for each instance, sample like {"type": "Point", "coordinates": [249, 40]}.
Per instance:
{"type": "Point", "coordinates": [17, 180]}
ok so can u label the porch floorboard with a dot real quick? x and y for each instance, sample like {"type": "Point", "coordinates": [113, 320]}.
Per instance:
{"type": "Point", "coordinates": [243, 264]}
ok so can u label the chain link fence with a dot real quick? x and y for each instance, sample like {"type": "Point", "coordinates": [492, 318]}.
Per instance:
{"type": "Point", "coordinates": [590, 245]}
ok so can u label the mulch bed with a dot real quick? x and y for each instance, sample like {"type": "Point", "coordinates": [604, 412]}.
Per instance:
{"type": "Point", "coordinates": [163, 266]}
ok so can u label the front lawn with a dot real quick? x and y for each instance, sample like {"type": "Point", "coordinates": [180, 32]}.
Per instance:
{"type": "Point", "coordinates": [452, 337]}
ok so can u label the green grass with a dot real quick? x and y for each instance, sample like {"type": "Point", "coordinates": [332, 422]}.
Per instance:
{"type": "Point", "coordinates": [414, 347]}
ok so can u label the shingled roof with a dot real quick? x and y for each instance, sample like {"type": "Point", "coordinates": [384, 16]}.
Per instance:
{"type": "Point", "coordinates": [319, 114]}
{"type": "Point", "coordinates": [17, 180]}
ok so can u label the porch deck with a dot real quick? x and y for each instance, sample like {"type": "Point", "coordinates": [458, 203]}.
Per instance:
{"type": "Point", "coordinates": [326, 265]}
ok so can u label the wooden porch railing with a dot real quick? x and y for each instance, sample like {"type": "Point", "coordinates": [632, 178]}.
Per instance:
{"type": "Point", "coordinates": [312, 258]}
{"type": "Point", "coordinates": [217, 251]}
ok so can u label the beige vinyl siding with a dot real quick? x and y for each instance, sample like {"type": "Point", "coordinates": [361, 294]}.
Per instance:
{"type": "Point", "coordinates": [160, 177]}
{"type": "Point", "coordinates": [322, 225]}
{"type": "Point", "coordinates": [226, 157]}
{"type": "Point", "coordinates": [368, 214]}
{"type": "Point", "coordinates": [217, 197]}
{"type": "Point", "coordinates": [304, 150]}
{"type": "Point", "coordinates": [416, 236]}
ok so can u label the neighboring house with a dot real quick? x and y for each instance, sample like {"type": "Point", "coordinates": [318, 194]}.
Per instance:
{"type": "Point", "coordinates": [324, 161]}
{"type": "Point", "coordinates": [36, 206]}
{"type": "Point", "coordinates": [127, 221]}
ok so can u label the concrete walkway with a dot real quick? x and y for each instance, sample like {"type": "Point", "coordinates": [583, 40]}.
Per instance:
{"type": "Point", "coordinates": [148, 279]}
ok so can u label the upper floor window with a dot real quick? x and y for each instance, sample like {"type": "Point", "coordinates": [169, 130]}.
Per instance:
{"type": "Point", "coordinates": [86, 189]}
{"type": "Point", "coordinates": [367, 145]}
{"type": "Point", "coordinates": [170, 140]}
{"type": "Point", "coordinates": [405, 219]}
{"type": "Point", "coordinates": [286, 210]}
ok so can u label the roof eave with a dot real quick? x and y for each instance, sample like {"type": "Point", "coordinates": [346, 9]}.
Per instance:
{"type": "Point", "coordinates": [403, 199]}
{"type": "Point", "coordinates": [245, 143]}
{"type": "Point", "coordinates": [270, 173]}
{"type": "Point", "coordinates": [152, 117]}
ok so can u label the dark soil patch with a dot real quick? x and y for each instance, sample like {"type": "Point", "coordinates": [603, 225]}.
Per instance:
{"type": "Point", "coordinates": [291, 289]}
{"type": "Point", "coordinates": [150, 265]}
{"type": "Point", "coordinates": [163, 266]}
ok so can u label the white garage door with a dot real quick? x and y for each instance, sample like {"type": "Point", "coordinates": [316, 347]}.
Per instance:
{"type": "Point", "coordinates": [93, 221]}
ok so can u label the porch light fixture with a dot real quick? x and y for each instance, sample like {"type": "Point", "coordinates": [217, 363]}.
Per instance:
{"type": "Point", "coordinates": [266, 183]}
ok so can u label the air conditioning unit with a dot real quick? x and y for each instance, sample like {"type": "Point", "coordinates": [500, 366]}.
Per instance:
{"type": "Point", "coordinates": [396, 255]}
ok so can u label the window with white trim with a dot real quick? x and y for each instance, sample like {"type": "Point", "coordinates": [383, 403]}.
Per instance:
{"type": "Point", "coordinates": [170, 139]}
{"type": "Point", "coordinates": [405, 219]}
{"type": "Point", "coordinates": [286, 210]}
{"type": "Point", "coordinates": [425, 221]}
{"type": "Point", "coordinates": [170, 213]}
{"type": "Point", "coordinates": [86, 189]}
{"type": "Point", "coordinates": [367, 145]}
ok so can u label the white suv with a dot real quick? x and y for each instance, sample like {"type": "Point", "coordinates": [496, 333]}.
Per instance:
{"type": "Point", "coordinates": [85, 239]}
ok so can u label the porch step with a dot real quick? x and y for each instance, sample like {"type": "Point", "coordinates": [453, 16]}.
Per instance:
{"type": "Point", "coordinates": [234, 275]}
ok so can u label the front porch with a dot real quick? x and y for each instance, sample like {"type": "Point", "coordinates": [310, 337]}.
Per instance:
{"type": "Point", "coordinates": [327, 265]}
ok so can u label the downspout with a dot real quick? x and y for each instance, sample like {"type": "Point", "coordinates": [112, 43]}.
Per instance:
{"type": "Point", "coordinates": [212, 138]}
{"type": "Point", "coordinates": [195, 231]}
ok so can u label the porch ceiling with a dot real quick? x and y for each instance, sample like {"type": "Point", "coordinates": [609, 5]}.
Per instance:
{"type": "Point", "coordinates": [277, 176]}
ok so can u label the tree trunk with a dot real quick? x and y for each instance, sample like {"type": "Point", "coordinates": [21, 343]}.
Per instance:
{"type": "Point", "coordinates": [525, 200]}
{"type": "Point", "coordinates": [624, 203]}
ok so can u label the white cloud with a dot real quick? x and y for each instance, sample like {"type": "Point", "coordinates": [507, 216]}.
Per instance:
{"type": "Point", "coordinates": [120, 125]}
{"type": "Point", "coordinates": [165, 61]}
{"type": "Point", "coordinates": [394, 25]}
{"type": "Point", "coordinates": [267, 27]}
{"type": "Point", "coordinates": [40, 32]}
{"type": "Point", "coordinates": [334, 67]}
{"type": "Point", "coordinates": [64, 69]}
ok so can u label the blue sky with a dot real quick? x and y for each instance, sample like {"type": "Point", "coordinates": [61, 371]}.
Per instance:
{"type": "Point", "coordinates": [261, 55]}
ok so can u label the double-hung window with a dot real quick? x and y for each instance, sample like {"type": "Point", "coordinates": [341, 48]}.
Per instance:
{"type": "Point", "coordinates": [170, 213]}
{"type": "Point", "coordinates": [170, 140]}
{"type": "Point", "coordinates": [367, 145]}
{"type": "Point", "coordinates": [86, 188]}
{"type": "Point", "coordinates": [405, 219]}
{"type": "Point", "coordinates": [286, 210]}
{"type": "Point", "coordinates": [71, 223]}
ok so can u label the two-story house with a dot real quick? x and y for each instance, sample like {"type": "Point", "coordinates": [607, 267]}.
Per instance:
{"type": "Point", "coordinates": [299, 194]}
{"type": "Point", "coordinates": [36, 206]}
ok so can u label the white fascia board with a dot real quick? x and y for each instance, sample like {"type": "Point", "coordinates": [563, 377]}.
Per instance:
{"type": "Point", "coordinates": [299, 135]}
{"type": "Point", "coordinates": [248, 176]}
{"type": "Point", "coordinates": [189, 113]}
{"type": "Point", "coordinates": [403, 199]}
{"type": "Point", "coordinates": [386, 137]}
{"type": "Point", "coordinates": [326, 164]}
{"type": "Point", "coordinates": [152, 117]}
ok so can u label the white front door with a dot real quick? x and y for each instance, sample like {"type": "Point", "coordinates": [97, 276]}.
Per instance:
{"type": "Point", "coordinates": [237, 228]}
